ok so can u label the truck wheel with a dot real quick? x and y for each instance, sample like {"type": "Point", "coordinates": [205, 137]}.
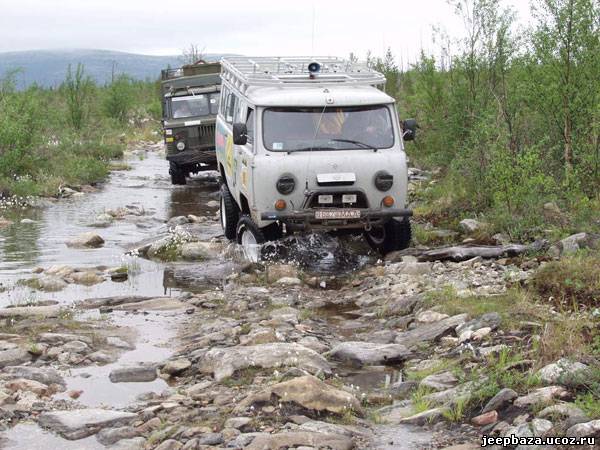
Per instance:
{"type": "Point", "coordinates": [394, 235]}
{"type": "Point", "coordinates": [249, 237]}
{"type": "Point", "coordinates": [230, 213]}
{"type": "Point", "coordinates": [177, 174]}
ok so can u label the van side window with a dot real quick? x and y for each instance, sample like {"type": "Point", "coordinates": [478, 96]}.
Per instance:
{"type": "Point", "coordinates": [230, 108]}
{"type": "Point", "coordinates": [223, 102]}
{"type": "Point", "coordinates": [250, 125]}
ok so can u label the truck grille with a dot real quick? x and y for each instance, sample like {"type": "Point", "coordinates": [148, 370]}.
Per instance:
{"type": "Point", "coordinates": [206, 134]}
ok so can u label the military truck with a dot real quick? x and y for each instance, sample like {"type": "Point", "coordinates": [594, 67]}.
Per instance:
{"type": "Point", "coordinates": [190, 101]}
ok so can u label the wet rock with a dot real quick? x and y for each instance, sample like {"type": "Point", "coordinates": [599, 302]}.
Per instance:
{"type": "Point", "coordinates": [485, 418]}
{"type": "Point", "coordinates": [45, 375]}
{"type": "Point", "coordinates": [139, 373]}
{"type": "Point", "coordinates": [223, 362]}
{"type": "Point", "coordinates": [331, 428]}
{"type": "Point", "coordinates": [195, 251]}
{"type": "Point", "coordinates": [489, 320]}
{"type": "Point", "coordinates": [210, 439]}
{"type": "Point", "coordinates": [469, 226]}
{"type": "Point", "coordinates": [109, 436]}
{"type": "Point", "coordinates": [276, 272]}
{"type": "Point", "coordinates": [177, 220]}
{"type": "Point", "coordinates": [301, 438]}
{"type": "Point", "coordinates": [586, 429]}
{"type": "Point", "coordinates": [101, 357]}
{"type": "Point", "coordinates": [262, 335]}
{"type": "Point", "coordinates": [369, 353]}
{"type": "Point", "coordinates": [564, 411]}
{"type": "Point", "coordinates": [564, 371]}
{"type": "Point", "coordinates": [429, 416]}
{"type": "Point", "coordinates": [175, 367]}
{"type": "Point", "coordinates": [404, 389]}
{"type": "Point", "coordinates": [439, 382]}
{"type": "Point", "coordinates": [31, 311]}
{"type": "Point", "coordinates": [431, 331]}
{"type": "Point", "coordinates": [47, 284]}
{"type": "Point", "coordinates": [117, 342]}
{"type": "Point", "coordinates": [575, 242]}
{"type": "Point", "coordinates": [404, 305]}
{"type": "Point", "coordinates": [60, 338]}
{"type": "Point", "coordinates": [137, 443]}
{"type": "Point", "coordinates": [308, 392]}
{"type": "Point", "coordinates": [22, 384]}
{"type": "Point", "coordinates": [80, 423]}
{"type": "Point", "coordinates": [75, 347]}
{"type": "Point", "coordinates": [89, 240]}
{"type": "Point", "coordinates": [415, 268]}
{"type": "Point", "coordinates": [541, 396]}
{"type": "Point", "coordinates": [537, 427]}
{"type": "Point", "coordinates": [87, 278]}
{"type": "Point", "coordinates": [430, 316]}
{"type": "Point", "coordinates": [102, 221]}
{"type": "Point", "coordinates": [237, 422]}
{"type": "Point", "coordinates": [170, 444]}
{"type": "Point", "coordinates": [14, 357]}
{"type": "Point", "coordinates": [503, 398]}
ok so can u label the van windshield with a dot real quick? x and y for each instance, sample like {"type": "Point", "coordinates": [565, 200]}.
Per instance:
{"type": "Point", "coordinates": [328, 128]}
{"type": "Point", "coordinates": [194, 105]}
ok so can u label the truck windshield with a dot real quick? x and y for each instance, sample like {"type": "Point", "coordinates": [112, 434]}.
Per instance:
{"type": "Point", "coordinates": [328, 128]}
{"type": "Point", "coordinates": [194, 105]}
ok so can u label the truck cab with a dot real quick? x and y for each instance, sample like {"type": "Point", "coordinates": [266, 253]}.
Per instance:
{"type": "Point", "coordinates": [190, 100]}
{"type": "Point", "coordinates": [310, 144]}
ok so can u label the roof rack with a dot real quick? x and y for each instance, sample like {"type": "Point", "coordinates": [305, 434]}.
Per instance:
{"type": "Point", "coordinates": [243, 72]}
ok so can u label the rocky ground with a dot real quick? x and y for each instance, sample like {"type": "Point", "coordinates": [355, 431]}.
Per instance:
{"type": "Point", "coordinates": [401, 353]}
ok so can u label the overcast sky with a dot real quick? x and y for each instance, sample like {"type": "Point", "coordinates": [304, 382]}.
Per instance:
{"type": "Point", "coordinates": [252, 27]}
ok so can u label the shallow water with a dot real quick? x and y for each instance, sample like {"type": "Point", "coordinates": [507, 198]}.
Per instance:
{"type": "Point", "coordinates": [146, 187]}
{"type": "Point", "coordinates": [28, 436]}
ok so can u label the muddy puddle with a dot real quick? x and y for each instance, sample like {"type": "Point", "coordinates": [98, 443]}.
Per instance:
{"type": "Point", "coordinates": [28, 436]}
{"type": "Point", "coordinates": [154, 332]}
{"type": "Point", "coordinates": [38, 235]}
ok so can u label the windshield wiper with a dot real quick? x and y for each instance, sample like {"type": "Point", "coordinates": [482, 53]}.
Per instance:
{"type": "Point", "coordinates": [355, 142]}
{"type": "Point", "coordinates": [305, 149]}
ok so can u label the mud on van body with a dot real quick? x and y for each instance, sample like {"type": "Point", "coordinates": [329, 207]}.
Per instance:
{"type": "Point", "coordinates": [310, 145]}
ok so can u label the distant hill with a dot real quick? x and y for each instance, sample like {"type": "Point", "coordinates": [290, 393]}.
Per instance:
{"type": "Point", "coordinates": [48, 67]}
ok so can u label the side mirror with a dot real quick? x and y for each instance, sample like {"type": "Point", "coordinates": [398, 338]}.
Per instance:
{"type": "Point", "coordinates": [409, 129]}
{"type": "Point", "coordinates": [240, 134]}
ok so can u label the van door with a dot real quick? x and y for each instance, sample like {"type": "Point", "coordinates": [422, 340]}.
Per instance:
{"type": "Point", "coordinates": [245, 153]}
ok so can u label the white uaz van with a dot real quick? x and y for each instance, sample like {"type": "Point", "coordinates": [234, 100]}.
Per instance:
{"type": "Point", "coordinates": [310, 144]}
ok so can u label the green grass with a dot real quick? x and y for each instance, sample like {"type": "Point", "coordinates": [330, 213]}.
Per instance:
{"type": "Point", "coordinates": [419, 400]}
{"type": "Point", "coordinates": [570, 283]}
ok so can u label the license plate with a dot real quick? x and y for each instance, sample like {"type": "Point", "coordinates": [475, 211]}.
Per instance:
{"type": "Point", "coordinates": [337, 214]}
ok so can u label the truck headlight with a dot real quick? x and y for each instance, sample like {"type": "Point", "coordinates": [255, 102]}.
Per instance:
{"type": "Point", "coordinates": [180, 145]}
{"type": "Point", "coordinates": [286, 184]}
{"type": "Point", "coordinates": [383, 180]}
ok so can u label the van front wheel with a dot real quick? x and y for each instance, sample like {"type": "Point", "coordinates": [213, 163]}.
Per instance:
{"type": "Point", "coordinates": [250, 238]}
{"type": "Point", "coordinates": [393, 235]}
{"type": "Point", "coordinates": [229, 213]}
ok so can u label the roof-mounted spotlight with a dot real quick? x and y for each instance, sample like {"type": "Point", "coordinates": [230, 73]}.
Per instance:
{"type": "Point", "coordinates": [313, 69]}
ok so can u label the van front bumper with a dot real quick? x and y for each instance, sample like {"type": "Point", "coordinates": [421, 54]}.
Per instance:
{"type": "Point", "coordinates": [306, 220]}
{"type": "Point", "coordinates": [205, 155]}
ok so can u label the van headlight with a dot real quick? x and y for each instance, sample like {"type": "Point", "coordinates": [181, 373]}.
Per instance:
{"type": "Point", "coordinates": [383, 180]}
{"type": "Point", "coordinates": [180, 145]}
{"type": "Point", "coordinates": [286, 184]}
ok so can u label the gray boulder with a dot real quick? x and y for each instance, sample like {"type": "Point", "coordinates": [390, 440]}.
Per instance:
{"type": "Point", "coordinates": [369, 353]}
{"type": "Point", "coordinates": [86, 240]}
{"type": "Point", "coordinates": [503, 398]}
{"type": "Point", "coordinates": [489, 320]}
{"type": "Point", "coordinates": [45, 375]}
{"type": "Point", "coordinates": [139, 373]}
{"type": "Point", "coordinates": [469, 226]}
{"type": "Point", "coordinates": [586, 429]}
{"type": "Point", "coordinates": [430, 331]}
{"type": "Point", "coordinates": [80, 423]}
{"type": "Point", "coordinates": [224, 362]}
{"type": "Point", "coordinates": [564, 371]}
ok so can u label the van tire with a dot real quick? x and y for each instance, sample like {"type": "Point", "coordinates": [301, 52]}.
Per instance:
{"type": "Point", "coordinates": [246, 231]}
{"type": "Point", "coordinates": [177, 174]}
{"type": "Point", "coordinates": [229, 213]}
{"type": "Point", "coordinates": [393, 235]}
